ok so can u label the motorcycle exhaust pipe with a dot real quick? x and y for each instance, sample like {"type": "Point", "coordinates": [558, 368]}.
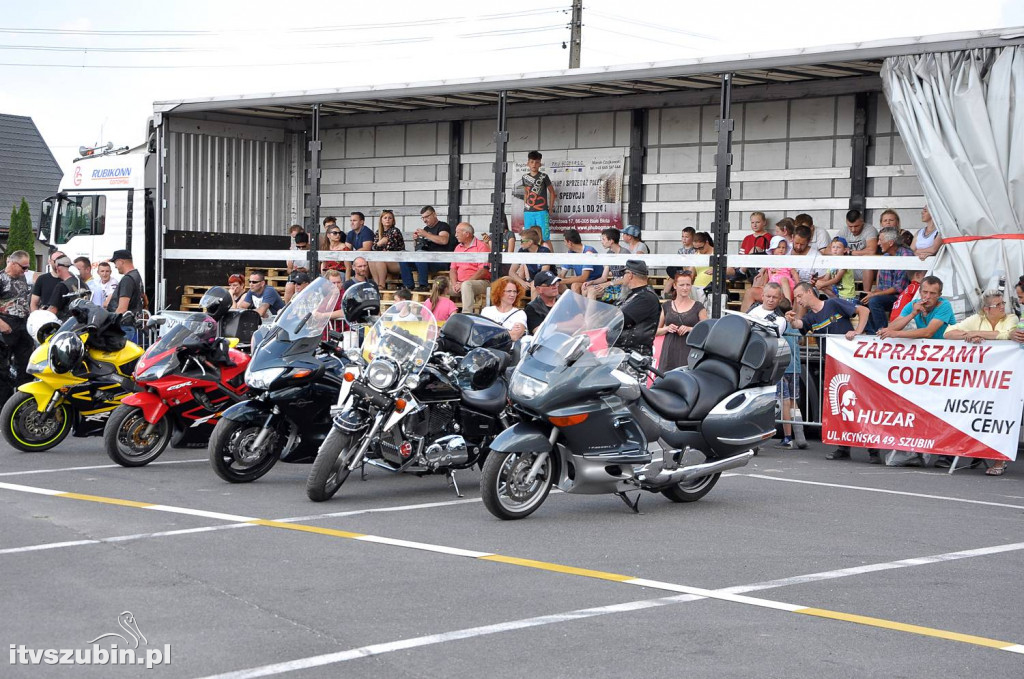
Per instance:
{"type": "Point", "coordinates": [699, 470]}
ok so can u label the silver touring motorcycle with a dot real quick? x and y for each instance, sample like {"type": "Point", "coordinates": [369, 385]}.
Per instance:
{"type": "Point", "coordinates": [587, 426]}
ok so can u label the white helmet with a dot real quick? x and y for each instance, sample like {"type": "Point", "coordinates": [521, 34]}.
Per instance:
{"type": "Point", "coordinates": [41, 324]}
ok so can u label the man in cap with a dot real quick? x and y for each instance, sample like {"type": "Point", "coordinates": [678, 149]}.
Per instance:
{"type": "Point", "coordinates": [298, 280]}
{"type": "Point", "coordinates": [545, 285]}
{"type": "Point", "coordinates": [66, 291]}
{"type": "Point", "coordinates": [641, 310]}
{"type": "Point", "coordinates": [130, 291]}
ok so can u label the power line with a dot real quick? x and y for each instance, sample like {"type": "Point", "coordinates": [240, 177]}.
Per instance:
{"type": "Point", "coordinates": [276, 30]}
{"type": "Point", "coordinates": [263, 65]}
{"type": "Point", "coordinates": [640, 37]}
{"type": "Point", "coordinates": [646, 24]}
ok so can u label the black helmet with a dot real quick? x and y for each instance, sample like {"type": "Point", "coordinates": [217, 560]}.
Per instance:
{"type": "Point", "coordinates": [361, 301]}
{"type": "Point", "coordinates": [66, 352]}
{"type": "Point", "coordinates": [478, 370]}
{"type": "Point", "coordinates": [216, 302]}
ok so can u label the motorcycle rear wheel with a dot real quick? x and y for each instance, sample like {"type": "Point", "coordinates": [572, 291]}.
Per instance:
{"type": "Point", "coordinates": [125, 439]}
{"type": "Point", "coordinates": [692, 490]}
{"type": "Point", "coordinates": [330, 469]}
{"type": "Point", "coordinates": [504, 489]}
{"type": "Point", "coordinates": [231, 454]}
{"type": "Point", "coordinates": [29, 430]}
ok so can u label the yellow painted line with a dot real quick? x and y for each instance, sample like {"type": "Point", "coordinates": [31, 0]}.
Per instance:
{"type": "Point", "coordinates": [552, 567]}
{"type": "Point", "coordinates": [904, 627]}
{"type": "Point", "coordinates": [307, 529]}
{"type": "Point", "coordinates": [557, 568]}
{"type": "Point", "coordinates": [106, 500]}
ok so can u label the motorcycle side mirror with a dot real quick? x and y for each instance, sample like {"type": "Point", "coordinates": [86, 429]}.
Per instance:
{"type": "Point", "coordinates": [577, 348]}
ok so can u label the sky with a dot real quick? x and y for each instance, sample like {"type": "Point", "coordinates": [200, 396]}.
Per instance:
{"type": "Point", "coordinates": [88, 73]}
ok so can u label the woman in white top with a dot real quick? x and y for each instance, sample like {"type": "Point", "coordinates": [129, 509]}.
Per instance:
{"type": "Point", "coordinates": [506, 293]}
{"type": "Point", "coordinates": [928, 240]}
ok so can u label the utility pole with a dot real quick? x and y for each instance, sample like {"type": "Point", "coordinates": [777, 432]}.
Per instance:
{"type": "Point", "coordinates": [576, 33]}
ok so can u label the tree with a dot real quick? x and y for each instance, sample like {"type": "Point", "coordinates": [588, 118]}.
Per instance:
{"type": "Point", "coordinates": [20, 236]}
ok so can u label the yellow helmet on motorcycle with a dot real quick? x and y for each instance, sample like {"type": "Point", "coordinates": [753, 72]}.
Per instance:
{"type": "Point", "coordinates": [41, 324]}
{"type": "Point", "coordinates": [66, 352]}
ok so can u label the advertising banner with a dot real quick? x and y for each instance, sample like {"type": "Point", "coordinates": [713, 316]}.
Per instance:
{"type": "Point", "coordinates": [588, 192]}
{"type": "Point", "coordinates": [924, 396]}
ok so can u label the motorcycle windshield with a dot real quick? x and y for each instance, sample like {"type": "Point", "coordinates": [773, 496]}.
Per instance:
{"type": "Point", "coordinates": [405, 333]}
{"type": "Point", "coordinates": [164, 350]}
{"type": "Point", "coordinates": [309, 311]}
{"type": "Point", "coordinates": [577, 327]}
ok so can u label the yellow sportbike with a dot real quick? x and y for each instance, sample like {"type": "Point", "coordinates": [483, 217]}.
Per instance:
{"type": "Point", "coordinates": [81, 371]}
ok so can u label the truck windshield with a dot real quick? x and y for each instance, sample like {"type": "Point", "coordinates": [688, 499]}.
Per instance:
{"type": "Point", "coordinates": [81, 216]}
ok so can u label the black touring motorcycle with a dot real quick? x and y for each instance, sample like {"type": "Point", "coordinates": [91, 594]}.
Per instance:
{"type": "Point", "coordinates": [406, 407]}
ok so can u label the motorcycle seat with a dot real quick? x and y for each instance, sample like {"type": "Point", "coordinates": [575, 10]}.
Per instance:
{"type": "Point", "coordinates": [490, 400]}
{"type": "Point", "coordinates": [685, 394]}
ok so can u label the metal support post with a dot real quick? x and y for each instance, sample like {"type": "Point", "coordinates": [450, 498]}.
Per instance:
{"type": "Point", "coordinates": [721, 195]}
{"type": "Point", "coordinates": [637, 154]}
{"type": "Point", "coordinates": [315, 146]}
{"type": "Point", "coordinates": [160, 214]}
{"type": "Point", "coordinates": [859, 160]}
{"type": "Point", "coordinates": [498, 197]}
{"type": "Point", "coordinates": [454, 171]}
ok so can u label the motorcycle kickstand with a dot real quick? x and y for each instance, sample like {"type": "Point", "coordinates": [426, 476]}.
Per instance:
{"type": "Point", "coordinates": [632, 504]}
{"type": "Point", "coordinates": [453, 483]}
{"type": "Point", "coordinates": [362, 470]}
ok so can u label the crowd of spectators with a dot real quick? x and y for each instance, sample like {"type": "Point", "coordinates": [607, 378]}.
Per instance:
{"type": "Point", "coordinates": [837, 300]}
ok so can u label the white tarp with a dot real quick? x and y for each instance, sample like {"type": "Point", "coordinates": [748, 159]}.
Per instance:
{"type": "Point", "coordinates": [961, 116]}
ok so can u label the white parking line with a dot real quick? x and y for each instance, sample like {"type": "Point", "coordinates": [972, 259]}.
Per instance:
{"type": "Point", "coordinates": [456, 635]}
{"type": "Point", "coordinates": [728, 593]}
{"type": "Point", "coordinates": [207, 529]}
{"type": "Point", "coordinates": [95, 466]}
{"type": "Point", "coordinates": [883, 490]}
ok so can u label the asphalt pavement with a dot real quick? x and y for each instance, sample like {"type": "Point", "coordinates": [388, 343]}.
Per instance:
{"type": "Point", "coordinates": [793, 566]}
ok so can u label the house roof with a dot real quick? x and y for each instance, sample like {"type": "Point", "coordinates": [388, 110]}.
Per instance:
{"type": "Point", "coordinates": [861, 61]}
{"type": "Point", "coordinates": [27, 168]}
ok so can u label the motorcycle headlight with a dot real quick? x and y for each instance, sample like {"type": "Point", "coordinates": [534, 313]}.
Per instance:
{"type": "Point", "coordinates": [262, 379]}
{"type": "Point", "coordinates": [525, 387]}
{"type": "Point", "coordinates": [382, 374]}
{"type": "Point", "coordinates": [155, 372]}
{"type": "Point", "coordinates": [36, 368]}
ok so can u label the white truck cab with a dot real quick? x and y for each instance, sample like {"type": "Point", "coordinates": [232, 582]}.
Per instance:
{"type": "Point", "coordinates": [104, 204]}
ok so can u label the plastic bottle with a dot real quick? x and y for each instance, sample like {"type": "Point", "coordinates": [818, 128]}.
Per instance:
{"type": "Point", "coordinates": [1020, 328]}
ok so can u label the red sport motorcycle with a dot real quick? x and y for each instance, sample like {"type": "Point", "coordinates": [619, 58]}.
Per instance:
{"type": "Point", "coordinates": [184, 383]}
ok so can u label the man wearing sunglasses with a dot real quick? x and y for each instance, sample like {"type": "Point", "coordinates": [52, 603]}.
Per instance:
{"type": "Point", "coordinates": [261, 297]}
{"type": "Point", "coordinates": [14, 303]}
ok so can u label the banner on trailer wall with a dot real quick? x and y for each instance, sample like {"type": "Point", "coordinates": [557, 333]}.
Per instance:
{"type": "Point", "coordinates": [588, 191]}
{"type": "Point", "coordinates": [925, 396]}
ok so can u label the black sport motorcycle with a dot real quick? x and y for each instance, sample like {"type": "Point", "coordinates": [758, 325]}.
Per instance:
{"type": "Point", "coordinates": [590, 427]}
{"type": "Point", "coordinates": [294, 378]}
{"type": "Point", "coordinates": [409, 408]}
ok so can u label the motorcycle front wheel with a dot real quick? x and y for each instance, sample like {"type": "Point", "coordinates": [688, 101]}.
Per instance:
{"type": "Point", "coordinates": [233, 454]}
{"type": "Point", "coordinates": [504, 487]}
{"type": "Point", "coordinates": [330, 469]}
{"type": "Point", "coordinates": [126, 439]}
{"type": "Point", "coordinates": [29, 430]}
{"type": "Point", "coordinates": [692, 490]}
